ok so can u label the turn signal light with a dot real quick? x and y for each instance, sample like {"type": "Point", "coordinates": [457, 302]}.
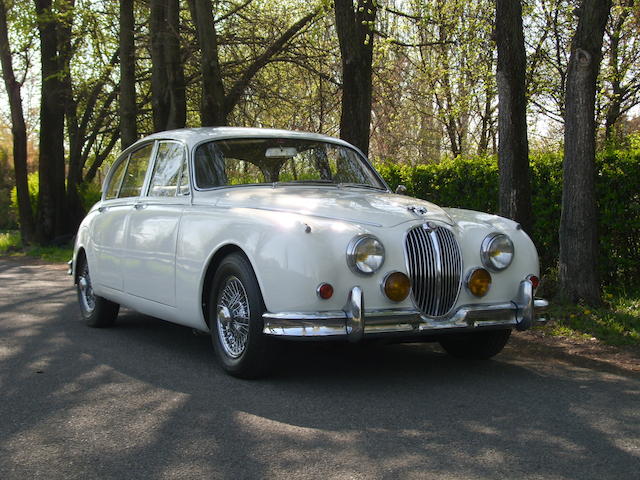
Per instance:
{"type": "Point", "coordinates": [325, 291]}
{"type": "Point", "coordinates": [479, 282]}
{"type": "Point", "coordinates": [396, 286]}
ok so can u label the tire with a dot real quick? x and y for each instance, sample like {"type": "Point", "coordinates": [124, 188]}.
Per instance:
{"type": "Point", "coordinates": [476, 345]}
{"type": "Point", "coordinates": [97, 312]}
{"type": "Point", "coordinates": [235, 319]}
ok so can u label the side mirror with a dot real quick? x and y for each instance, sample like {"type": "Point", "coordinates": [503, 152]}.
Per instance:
{"type": "Point", "coordinates": [401, 190]}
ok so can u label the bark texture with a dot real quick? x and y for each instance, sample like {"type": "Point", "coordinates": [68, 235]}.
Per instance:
{"type": "Point", "coordinates": [513, 147]}
{"type": "Point", "coordinates": [51, 221]}
{"type": "Point", "coordinates": [212, 109]}
{"type": "Point", "coordinates": [18, 131]}
{"type": "Point", "coordinates": [578, 272]}
{"type": "Point", "coordinates": [167, 69]}
{"type": "Point", "coordinates": [128, 112]}
{"type": "Point", "coordinates": [354, 26]}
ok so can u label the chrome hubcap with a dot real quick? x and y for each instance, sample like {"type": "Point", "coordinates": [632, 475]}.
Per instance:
{"type": "Point", "coordinates": [87, 298]}
{"type": "Point", "coordinates": [233, 317]}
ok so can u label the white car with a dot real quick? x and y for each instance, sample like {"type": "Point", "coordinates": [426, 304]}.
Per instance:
{"type": "Point", "coordinates": [256, 235]}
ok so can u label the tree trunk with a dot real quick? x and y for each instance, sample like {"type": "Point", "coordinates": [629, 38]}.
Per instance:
{"type": "Point", "coordinates": [128, 126]}
{"type": "Point", "coordinates": [513, 147]}
{"type": "Point", "coordinates": [51, 170]}
{"type": "Point", "coordinates": [579, 251]}
{"type": "Point", "coordinates": [212, 109]}
{"type": "Point", "coordinates": [159, 81]}
{"type": "Point", "coordinates": [18, 132]}
{"type": "Point", "coordinates": [167, 70]}
{"type": "Point", "coordinates": [354, 26]}
{"type": "Point", "coordinates": [175, 68]}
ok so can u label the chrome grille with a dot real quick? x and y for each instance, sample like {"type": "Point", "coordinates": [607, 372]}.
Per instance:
{"type": "Point", "coordinates": [435, 269]}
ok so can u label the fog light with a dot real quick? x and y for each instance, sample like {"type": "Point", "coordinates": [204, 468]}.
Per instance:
{"type": "Point", "coordinates": [325, 291]}
{"type": "Point", "coordinates": [396, 286]}
{"type": "Point", "coordinates": [479, 282]}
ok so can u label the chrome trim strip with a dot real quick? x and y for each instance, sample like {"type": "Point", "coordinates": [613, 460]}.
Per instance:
{"type": "Point", "coordinates": [354, 322]}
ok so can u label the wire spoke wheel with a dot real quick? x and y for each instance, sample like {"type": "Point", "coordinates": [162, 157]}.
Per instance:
{"type": "Point", "coordinates": [87, 298]}
{"type": "Point", "coordinates": [233, 314]}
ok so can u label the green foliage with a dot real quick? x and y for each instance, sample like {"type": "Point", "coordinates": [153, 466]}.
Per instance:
{"type": "Point", "coordinates": [10, 241]}
{"type": "Point", "coordinates": [90, 194]}
{"type": "Point", "coordinates": [472, 183]}
{"type": "Point", "coordinates": [7, 218]}
{"type": "Point", "coordinates": [34, 186]}
{"type": "Point", "coordinates": [11, 244]}
{"type": "Point", "coordinates": [617, 324]}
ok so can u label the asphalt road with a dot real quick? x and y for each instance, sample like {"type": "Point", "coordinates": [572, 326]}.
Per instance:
{"type": "Point", "coordinates": [145, 399]}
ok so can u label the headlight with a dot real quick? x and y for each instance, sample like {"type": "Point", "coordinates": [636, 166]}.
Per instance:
{"type": "Point", "coordinates": [365, 254]}
{"type": "Point", "coordinates": [496, 251]}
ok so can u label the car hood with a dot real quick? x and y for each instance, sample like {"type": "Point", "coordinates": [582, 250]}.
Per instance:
{"type": "Point", "coordinates": [357, 205]}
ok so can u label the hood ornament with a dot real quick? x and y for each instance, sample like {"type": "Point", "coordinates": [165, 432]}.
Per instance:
{"type": "Point", "coordinates": [418, 210]}
{"type": "Point", "coordinates": [429, 227]}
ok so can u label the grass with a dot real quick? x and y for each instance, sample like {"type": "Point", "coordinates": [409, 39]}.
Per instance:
{"type": "Point", "coordinates": [617, 323]}
{"type": "Point", "coordinates": [11, 244]}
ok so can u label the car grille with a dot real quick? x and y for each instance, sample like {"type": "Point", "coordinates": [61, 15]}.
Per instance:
{"type": "Point", "coordinates": [435, 269]}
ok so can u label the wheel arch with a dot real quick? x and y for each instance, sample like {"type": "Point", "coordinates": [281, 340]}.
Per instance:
{"type": "Point", "coordinates": [81, 255]}
{"type": "Point", "coordinates": [211, 269]}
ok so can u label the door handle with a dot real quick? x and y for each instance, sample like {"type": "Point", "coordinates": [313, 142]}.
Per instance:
{"type": "Point", "coordinates": [102, 209]}
{"type": "Point", "coordinates": [139, 206]}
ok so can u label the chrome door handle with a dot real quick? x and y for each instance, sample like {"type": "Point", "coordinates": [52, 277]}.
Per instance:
{"type": "Point", "coordinates": [139, 206]}
{"type": "Point", "coordinates": [102, 209]}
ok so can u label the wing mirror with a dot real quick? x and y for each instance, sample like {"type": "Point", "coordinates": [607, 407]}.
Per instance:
{"type": "Point", "coordinates": [401, 190]}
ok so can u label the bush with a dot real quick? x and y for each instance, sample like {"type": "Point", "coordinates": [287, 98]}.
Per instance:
{"type": "Point", "coordinates": [32, 181]}
{"type": "Point", "coordinates": [89, 194]}
{"type": "Point", "coordinates": [473, 183]}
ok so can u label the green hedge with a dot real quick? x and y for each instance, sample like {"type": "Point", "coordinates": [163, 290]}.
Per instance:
{"type": "Point", "coordinates": [473, 183]}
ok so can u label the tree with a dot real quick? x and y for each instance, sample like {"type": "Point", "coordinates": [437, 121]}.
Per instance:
{"type": "Point", "coordinates": [216, 103]}
{"type": "Point", "coordinates": [355, 29]}
{"type": "Point", "coordinates": [51, 168]}
{"type": "Point", "coordinates": [513, 148]}
{"type": "Point", "coordinates": [128, 125]}
{"type": "Point", "coordinates": [578, 272]}
{"type": "Point", "coordinates": [167, 69]}
{"type": "Point", "coordinates": [18, 130]}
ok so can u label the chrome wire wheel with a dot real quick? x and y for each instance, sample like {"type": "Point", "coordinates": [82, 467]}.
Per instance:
{"type": "Point", "coordinates": [87, 298]}
{"type": "Point", "coordinates": [233, 315]}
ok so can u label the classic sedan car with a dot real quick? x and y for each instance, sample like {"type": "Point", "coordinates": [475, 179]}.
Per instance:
{"type": "Point", "coordinates": [255, 235]}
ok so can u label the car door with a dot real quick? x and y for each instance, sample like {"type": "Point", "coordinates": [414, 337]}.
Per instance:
{"type": "Point", "coordinates": [153, 227]}
{"type": "Point", "coordinates": [123, 186]}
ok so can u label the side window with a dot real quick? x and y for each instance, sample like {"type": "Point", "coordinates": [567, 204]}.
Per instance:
{"type": "Point", "coordinates": [166, 173]}
{"type": "Point", "coordinates": [136, 170]}
{"type": "Point", "coordinates": [116, 179]}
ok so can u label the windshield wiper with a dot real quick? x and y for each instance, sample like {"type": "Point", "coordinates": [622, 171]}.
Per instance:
{"type": "Point", "coordinates": [306, 182]}
{"type": "Point", "coordinates": [360, 185]}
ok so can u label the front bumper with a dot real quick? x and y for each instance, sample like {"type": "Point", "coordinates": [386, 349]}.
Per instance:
{"type": "Point", "coordinates": [355, 323]}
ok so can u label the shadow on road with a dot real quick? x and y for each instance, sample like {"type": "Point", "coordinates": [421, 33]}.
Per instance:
{"type": "Point", "coordinates": [146, 399]}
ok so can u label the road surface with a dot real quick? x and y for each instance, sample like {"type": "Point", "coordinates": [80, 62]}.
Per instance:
{"type": "Point", "coordinates": [145, 399]}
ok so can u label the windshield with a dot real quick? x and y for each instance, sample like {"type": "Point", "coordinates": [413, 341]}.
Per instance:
{"type": "Point", "coordinates": [280, 160]}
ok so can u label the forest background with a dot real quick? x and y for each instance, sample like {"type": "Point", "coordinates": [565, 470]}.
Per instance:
{"type": "Point", "coordinates": [466, 103]}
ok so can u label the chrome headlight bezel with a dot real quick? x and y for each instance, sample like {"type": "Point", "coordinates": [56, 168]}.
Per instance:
{"type": "Point", "coordinates": [359, 266]}
{"type": "Point", "coordinates": [489, 258]}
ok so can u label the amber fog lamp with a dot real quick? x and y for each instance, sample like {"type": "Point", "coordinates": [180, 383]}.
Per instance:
{"type": "Point", "coordinates": [479, 282]}
{"type": "Point", "coordinates": [396, 286]}
{"type": "Point", "coordinates": [325, 291]}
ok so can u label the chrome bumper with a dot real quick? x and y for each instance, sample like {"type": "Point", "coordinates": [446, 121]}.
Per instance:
{"type": "Point", "coordinates": [355, 323]}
